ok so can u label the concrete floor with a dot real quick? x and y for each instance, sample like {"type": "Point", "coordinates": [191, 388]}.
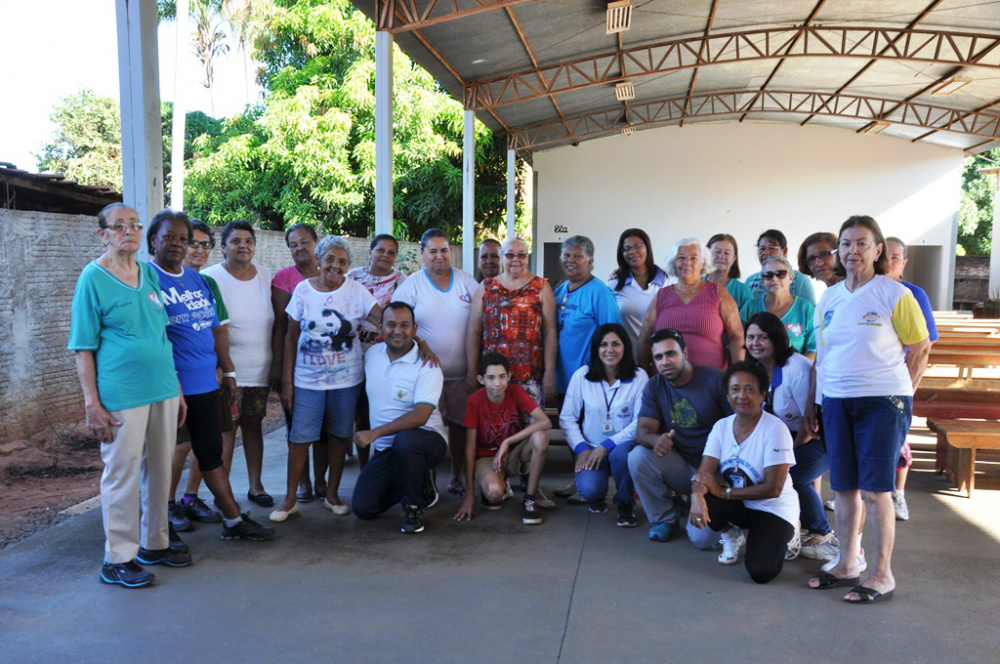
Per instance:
{"type": "Point", "coordinates": [575, 589]}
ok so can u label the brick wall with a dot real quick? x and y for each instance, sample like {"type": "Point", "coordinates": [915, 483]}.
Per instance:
{"type": "Point", "coordinates": [41, 255]}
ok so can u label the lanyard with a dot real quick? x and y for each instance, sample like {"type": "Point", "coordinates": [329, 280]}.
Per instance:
{"type": "Point", "coordinates": [608, 402]}
{"type": "Point", "coordinates": [775, 384]}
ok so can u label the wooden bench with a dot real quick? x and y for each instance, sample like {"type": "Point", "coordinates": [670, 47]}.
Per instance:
{"type": "Point", "coordinates": [961, 439]}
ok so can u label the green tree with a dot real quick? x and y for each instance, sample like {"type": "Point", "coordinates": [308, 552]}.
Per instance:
{"type": "Point", "coordinates": [308, 154]}
{"type": "Point", "coordinates": [975, 213]}
{"type": "Point", "coordinates": [87, 145]}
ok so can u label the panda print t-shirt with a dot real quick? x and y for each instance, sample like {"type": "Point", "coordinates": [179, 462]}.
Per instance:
{"type": "Point", "coordinates": [329, 352]}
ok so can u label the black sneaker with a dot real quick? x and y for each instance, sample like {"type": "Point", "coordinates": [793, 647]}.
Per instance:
{"type": "Point", "coordinates": [430, 492]}
{"type": "Point", "coordinates": [487, 505]}
{"type": "Point", "coordinates": [197, 510]}
{"type": "Point", "coordinates": [413, 523]}
{"type": "Point", "coordinates": [178, 518]}
{"type": "Point", "coordinates": [126, 575]}
{"type": "Point", "coordinates": [598, 506]}
{"type": "Point", "coordinates": [164, 557]}
{"type": "Point", "coordinates": [177, 545]}
{"type": "Point", "coordinates": [247, 529]}
{"type": "Point", "coordinates": [626, 515]}
{"type": "Point", "coordinates": [530, 514]}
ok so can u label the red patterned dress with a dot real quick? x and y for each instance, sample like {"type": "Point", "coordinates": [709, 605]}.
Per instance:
{"type": "Point", "coordinates": [512, 326]}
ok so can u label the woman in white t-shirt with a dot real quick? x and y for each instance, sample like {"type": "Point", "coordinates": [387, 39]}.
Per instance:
{"type": "Point", "coordinates": [246, 290]}
{"type": "Point", "coordinates": [788, 398]}
{"type": "Point", "coordinates": [743, 478]}
{"type": "Point", "coordinates": [323, 370]}
{"type": "Point", "coordinates": [872, 344]}
{"type": "Point", "coordinates": [441, 297]}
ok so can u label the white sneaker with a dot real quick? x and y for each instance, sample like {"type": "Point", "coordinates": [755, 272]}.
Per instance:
{"type": "Point", "coordinates": [732, 541]}
{"type": "Point", "coordinates": [899, 504]}
{"type": "Point", "coordinates": [795, 545]}
{"type": "Point", "coordinates": [507, 492]}
{"type": "Point", "coordinates": [829, 505]}
{"type": "Point", "coordinates": [820, 547]}
{"type": "Point", "coordinates": [833, 562]}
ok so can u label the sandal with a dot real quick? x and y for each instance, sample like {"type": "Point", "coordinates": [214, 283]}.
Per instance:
{"type": "Point", "coordinates": [869, 595]}
{"type": "Point", "coordinates": [456, 489]}
{"type": "Point", "coordinates": [827, 581]}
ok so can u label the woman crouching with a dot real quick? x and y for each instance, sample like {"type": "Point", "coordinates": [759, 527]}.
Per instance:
{"type": "Point", "coordinates": [743, 481]}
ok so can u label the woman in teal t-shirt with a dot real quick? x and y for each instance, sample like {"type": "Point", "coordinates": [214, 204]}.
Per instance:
{"type": "Point", "coordinates": [118, 331]}
{"type": "Point", "coordinates": [795, 312]}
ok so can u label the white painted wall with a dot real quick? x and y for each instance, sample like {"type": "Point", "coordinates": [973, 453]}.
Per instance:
{"type": "Point", "coordinates": [745, 178]}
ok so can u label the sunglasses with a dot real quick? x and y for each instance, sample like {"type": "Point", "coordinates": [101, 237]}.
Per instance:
{"type": "Point", "coordinates": [781, 274]}
{"type": "Point", "coordinates": [511, 255]}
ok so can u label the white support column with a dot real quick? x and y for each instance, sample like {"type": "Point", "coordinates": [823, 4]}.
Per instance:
{"type": "Point", "coordinates": [469, 193]}
{"type": "Point", "coordinates": [180, 110]}
{"type": "Point", "coordinates": [139, 83]}
{"type": "Point", "coordinates": [994, 288]}
{"type": "Point", "coordinates": [383, 132]}
{"type": "Point", "coordinates": [511, 190]}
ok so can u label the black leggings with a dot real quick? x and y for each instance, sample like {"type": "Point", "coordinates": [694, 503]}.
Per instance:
{"type": "Point", "coordinates": [203, 425]}
{"type": "Point", "coordinates": [767, 540]}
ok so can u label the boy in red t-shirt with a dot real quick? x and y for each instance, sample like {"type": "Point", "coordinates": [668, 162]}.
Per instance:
{"type": "Point", "coordinates": [498, 444]}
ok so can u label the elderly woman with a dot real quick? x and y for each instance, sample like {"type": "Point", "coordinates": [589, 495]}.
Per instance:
{"type": "Point", "coordinates": [795, 312]}
{"type": "Point", "coordinates": [301, 241]}
{"type": "Point", "coordinates": [818, 259]}
{"type": "Point", "coordinates": [514, 314]}
{"type": "Point", "coordinates": [725, 263]}
{"type": "Point", "coordinates": [599, 418]}
{"type": "Point", "coordinates": [441, 298]}
{"type": "Point", "coordinates": [381, 278]}
{"type": "Point", "coordinates": [743, 478]}
{"type": "Point", "coordinates": [788, 399]}
{"type": "Point", "coordinates": [873, 347]}
{"type": "Point", "coordinates": [323, 370]}
{"type": "Point", "coordinates": [118, 332]}
{"type": "Point", "coordinates": [697, 308]}
{"type": "Point", "coordinates": [246, 288]}
{"type": "Point", "coordinates": [199, 345]}
{"type": "Point", "coordinates": [636, 280]}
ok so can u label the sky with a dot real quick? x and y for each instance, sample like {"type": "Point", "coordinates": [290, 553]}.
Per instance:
{"type": "Point", "coordinates": [65, 45]}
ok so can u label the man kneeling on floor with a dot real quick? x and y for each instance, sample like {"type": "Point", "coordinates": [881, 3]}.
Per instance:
{"type": "Point", "coordinates": [407, 430]}
{"type": "Point", "coordinates": [498, 445]}
{"type": "Point", "coordinates": [680, 405]}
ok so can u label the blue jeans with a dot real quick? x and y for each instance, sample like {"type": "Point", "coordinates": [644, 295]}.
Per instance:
{"type": "Point", "coordinates": [863, 438]}
{"type": "Point", "coordinates": [811, 461]}
{"type": "Point", "coordinates": [396, 475]}
{"type": "Point", "coordinates": [592, 485]}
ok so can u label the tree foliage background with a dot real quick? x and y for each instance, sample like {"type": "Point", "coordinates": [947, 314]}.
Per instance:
{"type": "Point", "coordinates": [975, 213]}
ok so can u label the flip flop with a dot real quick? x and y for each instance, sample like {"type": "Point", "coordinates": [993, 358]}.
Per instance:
{"type": "Point", "coordinates": [869, 595]}
{"type": "Point", "coordinates": [827, 581]}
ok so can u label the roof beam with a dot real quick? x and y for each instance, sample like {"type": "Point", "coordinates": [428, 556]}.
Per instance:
{"type": "Point", "coordinates": [991, 105]}
{"type": "Point", "coordinates": [912, 24]}
{"type": "Point", "coordinates": [701, 53]}
{"type": "Point", "coordinates": [672, 110]}
{"type": "Point", "coordinates": [777, 67]}
{"type": "Point", "coordinates": [404, 15]}
{"type": "Point", "coordinates": [875, 43]}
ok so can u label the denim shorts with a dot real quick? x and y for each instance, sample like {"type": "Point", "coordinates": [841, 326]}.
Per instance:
{"type": "Point", "coordinates": [863, 439]}
{"type": "Point", "coordinates": [313, 410]}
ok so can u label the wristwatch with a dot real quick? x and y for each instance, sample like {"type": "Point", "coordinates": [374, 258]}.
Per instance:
{"type": "Point", "coordinates": [729, 491]}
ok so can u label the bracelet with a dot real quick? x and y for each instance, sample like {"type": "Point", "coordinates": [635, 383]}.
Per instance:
{"type": "Point", "coordinates": [229, 374]}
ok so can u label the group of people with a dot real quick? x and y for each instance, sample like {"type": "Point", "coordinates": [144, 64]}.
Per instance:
{"type": "Point", "coordinates": [718, 404]}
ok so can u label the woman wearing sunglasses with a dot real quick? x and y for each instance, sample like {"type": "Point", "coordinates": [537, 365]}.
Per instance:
{"type": "Point", "coordinates": [795, 313]}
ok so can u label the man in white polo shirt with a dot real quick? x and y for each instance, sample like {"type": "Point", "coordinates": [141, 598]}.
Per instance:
{"type": "Point", "coordinates": [407, 430]}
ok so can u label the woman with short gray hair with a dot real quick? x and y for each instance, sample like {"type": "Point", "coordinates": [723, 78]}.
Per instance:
{"type": "Point", "coordinates": [796, 313]}
{"type": "Point", "coordinates": [699, 309]}
{"type": "Point", "coordinates": [323, 370]}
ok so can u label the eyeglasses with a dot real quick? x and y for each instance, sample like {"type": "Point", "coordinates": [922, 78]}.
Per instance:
{"type": "Point", "coordinates": [120, 227]}
{"type": "Point", "coordinates": [195, 244]}
{"type": "Point", "coordinates": [781, 274]}
{"type": "Point", "coordinates": [510, 255]}
{"type": "Point", "coordinates": [629, 248]}
{"type": "Point", "coordinates": [821, 256]}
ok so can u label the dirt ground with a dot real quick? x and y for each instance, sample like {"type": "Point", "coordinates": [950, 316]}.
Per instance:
{"type": "Point", "coordinates": [49, 472]}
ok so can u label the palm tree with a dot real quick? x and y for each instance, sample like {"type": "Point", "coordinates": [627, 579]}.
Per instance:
{"type": "Point", "coordinates": [209, 39]}
{"type": "Point", "coordinates": [245, 22]}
